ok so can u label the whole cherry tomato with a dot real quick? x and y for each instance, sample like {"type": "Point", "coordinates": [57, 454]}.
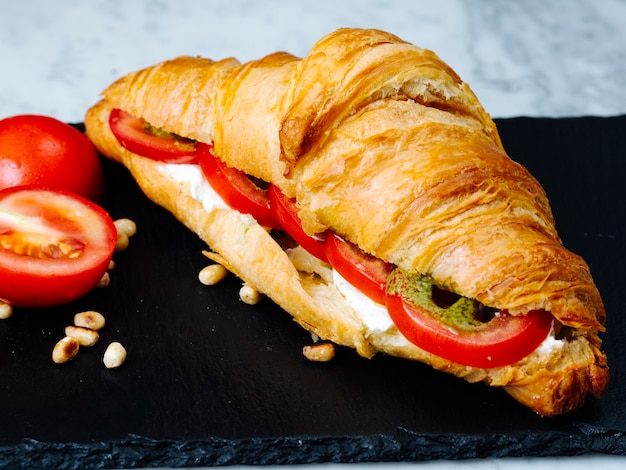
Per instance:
{"type": "Point", "coordinates": [43, 151]}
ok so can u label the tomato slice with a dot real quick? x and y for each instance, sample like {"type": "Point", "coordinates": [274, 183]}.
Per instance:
{"type": "Point", "coordinates": [286, 212]}
{"type": "Point", "coordinates": [138, 137]}
{"type": "Point", "coordinates": [235, 188]}
{"type": "Point", "coordinates": [54, 246]}
{"type": "Point", "coordinates": [365, 272]}
{"type": "Point", "coordinates": [503, 340]}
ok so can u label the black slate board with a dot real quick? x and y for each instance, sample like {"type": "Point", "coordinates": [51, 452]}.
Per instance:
{"type": "Point", "coordinates": [212, 381]}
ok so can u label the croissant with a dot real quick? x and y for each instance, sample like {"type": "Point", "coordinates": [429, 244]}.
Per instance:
{"type": "Point", "coordinates": [380, 143]}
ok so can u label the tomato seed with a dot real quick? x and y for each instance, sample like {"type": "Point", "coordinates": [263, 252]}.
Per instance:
{"type": "Point", "coordinates": [40, 246]}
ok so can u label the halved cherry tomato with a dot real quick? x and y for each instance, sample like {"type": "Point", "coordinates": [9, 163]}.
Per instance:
{"type": "Point", "coordinates": [54, 246]}
{"type": "Point", "coordinates": [138, 137]}
{"type": "Point", "coordinates": [286, 212]}
{"type": "Point", "coordinates": [365, 272]}
{"type": "Point", "coordinates": [235, 188]}
{"type": "Point", "coordinates": [503, 340]}
{"type": "Point", "coordinates": [43, 151]}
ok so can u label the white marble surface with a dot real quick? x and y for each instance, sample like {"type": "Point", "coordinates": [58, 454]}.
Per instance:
{"type": "Point", "coordinates": [531, 57]}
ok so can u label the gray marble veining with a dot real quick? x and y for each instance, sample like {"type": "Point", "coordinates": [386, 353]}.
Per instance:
{"type": "Point", "coordinates": [529, 57]}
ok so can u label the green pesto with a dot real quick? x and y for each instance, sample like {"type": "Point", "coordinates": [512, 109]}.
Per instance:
{"type": "Point", "coordinates": [155, 131]}
{"type": "Point", "coordinates": [184, 144]}
{"type": "Point", "coordinates": [181, 143]}
{"type": "Point", "coordinates": [417, 289]}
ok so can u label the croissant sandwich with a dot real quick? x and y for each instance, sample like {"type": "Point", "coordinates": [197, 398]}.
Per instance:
{"type": "Point", "coordinates": [365, 190]}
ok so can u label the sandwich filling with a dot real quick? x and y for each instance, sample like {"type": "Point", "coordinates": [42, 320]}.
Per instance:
{"type": "Point", "coordinates": [443, 323]}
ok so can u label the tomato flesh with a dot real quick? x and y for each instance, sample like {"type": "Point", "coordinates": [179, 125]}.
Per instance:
{"type": "Point", "coordinates": [503, 340]}
{"type": "Point", "coordinates": [55, 246]}
{"type": "Point", "coordinates": [138, 137]}
{"type": "Point", "coordinates": [43, 151]}
{"type": "Point", "coordinates": [286, 212]}
{"type": "Point", "coordinates": [365, 272]}
{"type": "Point", "coordinates": [235, 188]}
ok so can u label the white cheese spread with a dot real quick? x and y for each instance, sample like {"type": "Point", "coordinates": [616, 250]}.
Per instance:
{"type": "Point", "coordinates": [373, 315]}
{"type": "Point", "coordinates": [200, 189]}
{"type": "Point", "coordinates": [549, 345]}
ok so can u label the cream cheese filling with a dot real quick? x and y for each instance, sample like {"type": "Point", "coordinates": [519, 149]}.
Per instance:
{"type": "Point", "coordinates": [372, 314]}
{"type": "Point", "coordinates": [200, 188]}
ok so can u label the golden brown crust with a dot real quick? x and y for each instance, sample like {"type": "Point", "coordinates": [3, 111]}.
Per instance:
{"type": "Point", "coordinates": [442, 196]}
{"type": "Point", "coordinates": [350, 68]}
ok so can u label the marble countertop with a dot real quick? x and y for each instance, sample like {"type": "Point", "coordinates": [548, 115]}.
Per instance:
{"type": "Point", "coordinates": [523, 58]}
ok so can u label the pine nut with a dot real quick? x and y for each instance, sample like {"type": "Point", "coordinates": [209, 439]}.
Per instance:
{"type": "Point", "coordinates": [84, 336]}
{"type": "Point", "coordinates": [111, 266]}
{"type": "Point", "coordinates": [320, 352]}
{"type": "Point", "coordinates": [104, 281]}
{"type": "Point", "coordinates": [249, 295]}
{"type": "Point", "coordinates": [122, 242]}
{"type": "Point", "coordinates": [126, 226]}
{"type": "Point", "coordinates": [65, 350]}
{"type": "Point", "coordinates": [212, 274]}
{"type": "Point", "coordinates": [114, 356]}
{"type": "Point", "coordinates": [89, 319]}
{"type": "Point", "coordinates": [6, 310]}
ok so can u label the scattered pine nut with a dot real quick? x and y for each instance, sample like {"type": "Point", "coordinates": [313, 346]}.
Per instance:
{"type": "Point", "coordinates": [89, 319]}
{"type": "Point", "coordinates": [111, 266]}
{"type": "Point", "coordinates": [84, 336]}
{"type": "Point", "coordinates": [65, 350]}
{"type": "Point", "coordinates": [6, 310]}
{"type": "Point", "coordinates": [126, 226]}
{"type": "Point", "coordinates": [249, 295]}
{"type": "Point", "coordinates": [122, 242]}
{"type": "Point", "coordinates": [212, 274]}
{"type": "Point", "coordinates": [104, 281]}
{"type": "Point", "coordinates": [114, 356]}
{"type": "Point", "coordinates": [320, 352]}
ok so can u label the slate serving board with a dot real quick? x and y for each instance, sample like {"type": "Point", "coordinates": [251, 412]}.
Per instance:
{"type": "Point", "coordinates": [212, 381]}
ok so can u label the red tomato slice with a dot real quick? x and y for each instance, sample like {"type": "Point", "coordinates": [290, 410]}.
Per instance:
{"type": "Point", "coordinates": [135, 136]}
{"type": "Point", "coordinates": [286, 212]}
{"type": "Point", "coordinates": [235, 188]}
{"type": "Point", "coordinates": [503, 340]}
{"type": "Point", "coordinates": [54, 246]}
{"type": "Point", "coordinates": [365, 272]}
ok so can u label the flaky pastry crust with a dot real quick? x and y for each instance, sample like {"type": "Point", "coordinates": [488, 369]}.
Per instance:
{"type": "Point", "coordinates": [368, 120]}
